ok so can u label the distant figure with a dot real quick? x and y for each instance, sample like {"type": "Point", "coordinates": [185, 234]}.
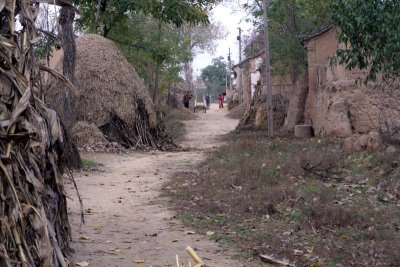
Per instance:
{"type": "Point", "coordinates": [186, 99]}
{"type": "Point", "coordinates": [221, 101]}
{"type": "Point", "coordinates": [208, 101]}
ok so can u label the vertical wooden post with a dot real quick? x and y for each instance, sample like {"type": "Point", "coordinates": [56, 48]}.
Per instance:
{"type": "Point", "coordinates": [240, 85]}
{"type": "Point", "coordinates": [268, 77]}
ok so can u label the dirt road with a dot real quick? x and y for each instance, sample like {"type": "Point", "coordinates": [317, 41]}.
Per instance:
{"type": "Point", "coordinates": [126, 218]}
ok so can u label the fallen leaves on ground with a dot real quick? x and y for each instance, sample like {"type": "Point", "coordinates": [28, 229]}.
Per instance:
{"type": "Point", "coordinates": [189, 232]}
{"type": "Point", "coordinates": [210, 233]}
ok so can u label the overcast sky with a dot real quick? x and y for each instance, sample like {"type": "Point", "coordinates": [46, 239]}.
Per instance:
{"type": "Point", "coordinates": [231, 17]}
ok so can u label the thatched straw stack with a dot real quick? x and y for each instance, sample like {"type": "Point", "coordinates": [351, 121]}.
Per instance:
{"type": "Point", "coordinates": [112, 96]}
{"type": "Point", "coordinates": [87, 134]}
{"type": "Point", "coordinates": [34, 227]}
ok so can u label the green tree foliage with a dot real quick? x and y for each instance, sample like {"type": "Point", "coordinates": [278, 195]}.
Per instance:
{"type": "Point", "coordinates": [214, 76]}
{"type": "Point", "coordinates": [149, 47]}
{"type": "Point", "coordinates": [290, 22]}
{"type": "Point", "coordinates": [109, 13]}
{"type": "Point", "coordinates": [147, 32]}
{"type": "Point", "coordinates": [370, 28]}
{"type": "Point", "coordinates": [47, 31]}
{"type": "Point", "coordinates": [199, 38]}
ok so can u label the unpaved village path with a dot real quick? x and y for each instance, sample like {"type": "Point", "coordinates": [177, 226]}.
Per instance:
{"type": "Point", "coordinates": [128, 220]}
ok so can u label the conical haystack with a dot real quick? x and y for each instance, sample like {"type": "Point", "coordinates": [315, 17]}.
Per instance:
{"type": "Point", "coordinates": [112, 96]}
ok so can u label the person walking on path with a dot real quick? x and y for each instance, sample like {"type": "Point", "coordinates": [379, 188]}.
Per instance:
{"type": "Point", "coordinates": [186, 99]}
{"type": "Point", "coordinates": [208, 101]}
{"type": "Point", "coordinates": [221, 101]}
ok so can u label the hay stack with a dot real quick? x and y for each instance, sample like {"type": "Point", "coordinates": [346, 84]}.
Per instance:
{"type": "Point", "coordinates": [87, 134]}
{"type": "Point", "coordinates": [112, 96]}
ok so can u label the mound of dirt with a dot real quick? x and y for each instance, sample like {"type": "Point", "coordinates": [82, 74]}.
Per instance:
{"type": "Point", "coordinates": [256, 115]}
{"type": "Point", "coordinates": [238, 111]}
{"type": "Point", "coordinates": [111, 96]}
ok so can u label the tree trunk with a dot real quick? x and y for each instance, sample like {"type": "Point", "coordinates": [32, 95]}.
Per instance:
{"type": "Point", "coordinates": [66, 20]}
{"type": "Point", "coordinates": [158, 68]}
{"type": "Point", "coordinates": [188, 65]}
{"type": "Point", "coordinates": [96, 22]}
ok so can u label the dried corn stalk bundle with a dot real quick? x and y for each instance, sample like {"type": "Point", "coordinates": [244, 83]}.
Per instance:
{"type": "Point", "coordinates": [34, 228]}
{"type": "Point", "coordinates": [256, 115]}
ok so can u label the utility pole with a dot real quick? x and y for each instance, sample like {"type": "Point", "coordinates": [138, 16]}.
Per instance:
{"type": "Point", "coordinates": [239, 38]}
{"type": "Point", "coordinates": [268, 78]}
{"type": "Point", "coordinates": [226, 75]}
{"type": "Point", "coordinates": [230, 70]}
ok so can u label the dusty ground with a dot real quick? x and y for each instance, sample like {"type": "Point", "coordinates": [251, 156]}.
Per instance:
{"type": "Point", "coordinates": [127, 219]}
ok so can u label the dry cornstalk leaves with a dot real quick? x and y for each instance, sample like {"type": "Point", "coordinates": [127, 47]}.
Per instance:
{"type": "Point", "coordinates": [34, 227]}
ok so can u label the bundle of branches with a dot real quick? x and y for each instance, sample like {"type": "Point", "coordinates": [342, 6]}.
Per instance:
{"type": "Point", "coordinates": [139, 135]}
{"type": "Point", "coordinates": [238, 111]}
{"type": "Point", "coordinates": [256, 115]}
{"type": "Point", "coordinates": [34, 227]}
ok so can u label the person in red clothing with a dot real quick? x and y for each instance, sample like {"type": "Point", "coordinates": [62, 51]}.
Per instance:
{"type": "Point", "coordinates": [221, 101]}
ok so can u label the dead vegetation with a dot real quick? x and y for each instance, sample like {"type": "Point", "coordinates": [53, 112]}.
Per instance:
{"type": "Point", "coordinates": [237, 112]}
{"type": "Point", "coordinates": [34, 226]}
{"type": "Point", "coordinates": [256, 117]}
{"type": "Point", "coordinates": [173, 122]}
{"type": "Point", "coordinates": [306, 201]}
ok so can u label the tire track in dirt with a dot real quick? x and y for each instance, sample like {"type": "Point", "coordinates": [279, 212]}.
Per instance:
{"type": "Point", "coordinates": [128, 220]}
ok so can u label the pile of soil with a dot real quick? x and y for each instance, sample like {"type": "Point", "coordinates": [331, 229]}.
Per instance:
{"type": "Point", "coordinates": [111, 97]}
{"type": "Point", "coordinates": [238, 111]}
{"type": "Point", "coordinates": [256, 116]}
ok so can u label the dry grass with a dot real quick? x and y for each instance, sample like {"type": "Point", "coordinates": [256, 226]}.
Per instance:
{"type": "Point", "coordinates": [85, 134]}
{"type": "Point", "coordinates": [106, 82]}
{"type": "Point", "coordinates": [255, 193]}
{"type": "Point", "coordinates": [237, 112]}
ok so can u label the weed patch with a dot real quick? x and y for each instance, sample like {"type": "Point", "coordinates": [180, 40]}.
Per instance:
{"type": "Point", "coordinates": [89, 164]}
{"type": "Point", "coordinates": [257, 195]}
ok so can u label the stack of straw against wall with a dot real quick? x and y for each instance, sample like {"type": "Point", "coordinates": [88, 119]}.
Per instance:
{"type": "Point", "coordinates": [34, 228]}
